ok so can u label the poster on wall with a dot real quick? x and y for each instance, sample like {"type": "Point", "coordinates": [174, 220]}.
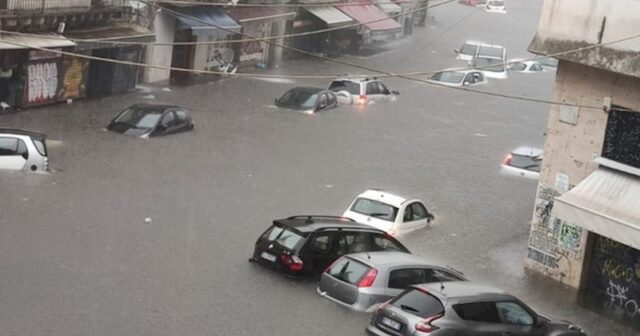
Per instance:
{"type": "Point", "coordinates": [42, 78]}
{"type": "Point", "coordinates": [255, 51]}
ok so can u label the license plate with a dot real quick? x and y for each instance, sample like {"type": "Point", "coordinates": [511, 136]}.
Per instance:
{"type": "Point", "coordinates": [391, 323]}
{"type": "Point", "coordinates": [268, 256]}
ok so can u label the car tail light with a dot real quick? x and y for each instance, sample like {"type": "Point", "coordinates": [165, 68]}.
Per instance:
{"type": "Point", "coordinates": [293, 262]}
{"type": "Point", "coordinates": [362, 100]}
{"type": "Point", "coordinates": [425, 325]}
{"type": "Point", "coordinates": [369, 278]}
{"type": "Point", "coordinates": [507, 160]}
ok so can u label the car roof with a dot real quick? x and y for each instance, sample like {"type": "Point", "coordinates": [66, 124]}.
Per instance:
{"type": "Point", "coordinates": [152, 107]}
{"type": "Point", "coordinates": [308, 89]}
{"type": "Point", "coordinates": [355, 80]}
{"type": "Point", "coordinates": [16, 131]}
{"type": "Point", "coordinates": [391, 258]}
{"type": "Point", "coordinates": [384, 197]}
{"type": "Point", "coordinates": [527, 151]}
{"type": "Point", "coordinates": [310, 223]}
{"type": "Point", "coordinates": [464, 291]}
{"type": "Point", "coordinates": [464, 71]}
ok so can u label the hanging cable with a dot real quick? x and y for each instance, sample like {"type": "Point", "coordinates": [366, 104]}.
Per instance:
{"type": "Point", "coordinates": [272, 5]}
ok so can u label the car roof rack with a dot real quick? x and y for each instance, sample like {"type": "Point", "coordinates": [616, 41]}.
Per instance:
{"type": "Point", "coordinates": [310, 218]}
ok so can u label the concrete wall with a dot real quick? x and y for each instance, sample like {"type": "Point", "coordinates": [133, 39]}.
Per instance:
{"type": "Point", "coordinates": [164, 27]}
{"type": "Point", "coordinates": [571, 24]}
{"type": "Point", "coordinates": [574, 137]}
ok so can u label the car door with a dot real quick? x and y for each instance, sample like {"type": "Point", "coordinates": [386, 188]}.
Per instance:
{"type": "Point", "coordinates": [415, 217]}
{"type": "Point", "coordinates": [13, 153]}
{"type": "Point", "coordinates": [517, 320]}
{"type": "Point", "coordinates": [167, 124]}
{"type": "Point", "coordinates": [182, 120]}
{"type": "Point", "coordinates": [480, 318]}
{"type": "Point", "coordinates": [319, 251]}
{"type": "Point", "coordinates": [400, 278]}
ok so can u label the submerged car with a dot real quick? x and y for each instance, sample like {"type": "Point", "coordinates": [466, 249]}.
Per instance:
{"type": "Point", "coordinates": [151, 120]}
{"type": "Point", "coordinates": [491, 60]}
{"type": "Point", "coordinates": [362, 91]}
{"type": "Point", "coordinates": [468, 50]}
{"type": "Point", "coordinates": [307, 99]}
{"type": "Point", "coordinates": [458, 78]}
{"type": "Point", "coordinates": [525, 66]}
{"type": "Point", "coordinates": [305, 245]}
{"type": "Point", "coordinates": [23, 150]}
{"type": "Point", "coordinates": [463, 309]}
{"type": "Point", "coordinates": [362, 281]}
{"type": "Point", "coordinates": [391, 213]}
{"type": "Point", "coordinates": [495, 6]}
{"type": "Point", "coordinates": [524, 162]}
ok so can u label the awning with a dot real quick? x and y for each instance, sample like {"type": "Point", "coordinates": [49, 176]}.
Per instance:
{"type": "Point", "coordinates": [205, 20]}
{"type": "Point", "coordinates": [369, 15]}
{"type": "Point", "coordinates": [28, 41]}
{"type": "Point", "coordinates": [388, 7]}
{"type": "Point", "coordinates": [330, 15]}
{"type": "Point", "coordinates": [607, 202]}
{"type": "Point", "coordinates": [116, 32]}
{"type": "Point", "coordinates": [269, 14]}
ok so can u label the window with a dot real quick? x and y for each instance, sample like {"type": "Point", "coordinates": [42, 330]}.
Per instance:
{"type": "Point", "coordinates": [181, 115]}
{"type": "Point", "coordinates": [418, 211]}
{"type": "Point", "coordinates": [283, 236]}
{"type": "Point", "coordinates": [22, 149]}
{"type": "Point", "coordinates": [168, 119]}
{"type": "Point", "coordinates": [407, 214]}
{"type": "Point", "coordinates": [323, 101]}
{"type": "Point", "coordinates": [402, 278]}
{"type": "Point", "coordinates": [478, 312]}
{"type": "Point", "coordinates": [353, 242]}
{"type": "Point", "coordinates": [418, 303]}
{"type": "Point", "coordinates": [321, 243]}
{"type": "Point", "coordinates": [436, 275]}
{"type": "Point", "coordinates": [342, 85]}
{"type": "Point", "coordinates": [525, 162]}
{"type": "Point", "coordinates": [331, 99]}
{"type": "Point", "coordinates": [513, 313]}
{"type": "Point", "coordinates": [40, 146]}
{"type": "Point", "coordinates": [469, 49]}
{"type": "Point", "coordinates": [536, 67]}
{"type": "Point", "coordinates": [8, 146]}
{"type": "Point", "coordinates": [383, 89]}
{"type": "Point", "coordinates": [372, 88]}
{"type": "Point", "coordinates": [382, 243]}
{"type": "Point", "coordinates": [474, 77]}
{"type": "Point", "coordinates": [348, 270]}
{"type": "Point", "coordinates": [374, 208]}
{"type": "Point", "coordinates": [518, 66]}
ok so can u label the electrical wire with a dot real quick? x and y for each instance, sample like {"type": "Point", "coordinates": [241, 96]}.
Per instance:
{"type": "Point", "coordinates": [286, 36]}
{"type": "Point", "coordinates": [277, 5]}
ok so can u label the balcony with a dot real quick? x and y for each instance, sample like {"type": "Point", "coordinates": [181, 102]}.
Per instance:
{"type": "Point", "coordinates": [41, 6]}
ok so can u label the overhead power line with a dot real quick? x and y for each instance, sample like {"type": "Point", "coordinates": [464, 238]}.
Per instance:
{"type": "Point", "coordinates": [272, 5]}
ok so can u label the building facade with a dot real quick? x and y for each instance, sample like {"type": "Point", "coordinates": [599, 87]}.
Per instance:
{"type": "Point", "coordinates": [585, 229]}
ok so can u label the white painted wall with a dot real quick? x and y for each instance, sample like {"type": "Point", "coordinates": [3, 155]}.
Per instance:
{"type": "Point", "coordinates": [581, 20]}
{"type": "Point", "coordinates": [164, 27]}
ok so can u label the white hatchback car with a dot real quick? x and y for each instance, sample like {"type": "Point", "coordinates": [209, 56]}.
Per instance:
{"type": "Point", "coordinates": [495, 6]}
{"type": "Point", "coordinates": [391, 213]}
{"type": "Point", "coordinates": [524, 162]}
{"type": "Point", "coordinates": [458, 78]}
{"type": "Point", "coordinates": [23, 150]}
{"type": "Point", "coordinates": [361, 91]}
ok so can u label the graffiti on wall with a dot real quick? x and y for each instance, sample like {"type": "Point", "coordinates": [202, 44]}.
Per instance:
{"type": "Point", "coordinates": [569, 237]}
{"type": "Point", "coordinates": [42, 82]}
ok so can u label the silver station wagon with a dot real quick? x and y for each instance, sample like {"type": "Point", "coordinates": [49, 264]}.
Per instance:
{"type": "Point", "coordinates": [361, 281]}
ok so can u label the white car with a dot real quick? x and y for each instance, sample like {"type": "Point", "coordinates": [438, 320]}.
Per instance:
{"type": "Point", "coordinates": [468, 50]}
{"type": "Point", "coordinates": [524, 162]}
{"type": "Point", "coordinates": [495, 6]}
{"type": "Point", "coordinates": [23, 150]}
{"type": "Point", "coordinates": [393, 214]}
{"type": "Point", "coordinates": [458, 78]}
{"type": "Point", "coordinates": [361, 91]}
{"type": "Point", "coordinates": [491, 60]}
{"type": "Point", "coordinates": [525, 66]}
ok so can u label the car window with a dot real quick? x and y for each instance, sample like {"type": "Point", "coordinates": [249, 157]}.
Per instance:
{"type": "Point", "coordinates": [8, 146]}
{"type": "Point", "coordinates": [283, 236]}
{"type": "Point", "coordinates": [382, 243]}
{"type": "Point", "coordinates": [348, 270]}
{"type": "Point", "coordinates": [536, 67]}
{"type": "Point", "coordinates": [478, 312]}
{"type": "Point", "coordinates": [525, 162]}
{"type": "Point", "coordinates": [518, 66]}
{"type": "Point", "coordinates": [40, 146]}
{"type": "Point", "coordinates": [513, 313]}
{"type": "Point", "coordinates": [407, 215]}
{"type": "Point", "coordinates": [322, 103]}
{"type": "Point", "coordinates": [436, 275]}
{"type": "Point", "coordinates": [331, 98]}
{"type": "Point", "coordinates": [321, 243]}
{"type": "Point", "coordinates": [383, 89]}
{"type": "Point", "coordinates": [469, 49]}
{"type": "Point", "coordinates": [22, 149]}
{"type": "Point", "coordinates": [419, 303]}
{"type": "Point", "coordinates": [181, 116]}
{"type": "Point", "coordinates": [342, 85]}
{"type": "Point", "coordinates": [353, 242]}
{"type": "Point", "coordinates": [375, 208]}
{"type": "Point", "coordinates": [402, 278]}
{"type": "Point", "coordinates": [418, 211]}
{"type": "Point", "coordinates": [372, 88]}
{"type": "Point", "coordinates": [168, 119]}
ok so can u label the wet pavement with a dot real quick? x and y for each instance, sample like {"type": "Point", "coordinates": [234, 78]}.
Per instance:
{"type": "Point", "coordinates": [78, 257]}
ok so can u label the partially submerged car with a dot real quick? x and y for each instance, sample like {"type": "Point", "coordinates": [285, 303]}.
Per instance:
{"type": "Point", "coordinates": [391, 213]}
{"type": "Point", "coordinates": [151, 120]}
{"type": "Point", "coordinates": [523, 161]}
{"type": "Point", "coordinates": [362, 91]}
{"type": "Point", "coordinates": [525, 66]}
{"type": "Point", "coordinates": [308, 99]}
{"type": "Point", "coordinates": [458, 78]}
{"type": "Point", "coordinates": [23, 150]}
{"type": "Point", "coordinates": [468, 50]}
{"type": "Point", "coordinates": [495, 6]}
{"type": "Point", "coordinates": [491, 60]}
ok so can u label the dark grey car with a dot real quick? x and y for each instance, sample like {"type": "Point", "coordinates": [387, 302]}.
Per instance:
{"type": "Point", "coordinates": [151, 120]}
{"type": "Point", "coordinates": [307, 99]}
{"type": "Point", "coordinates": [463, 309]}
{"type": "Point", "coordinates": [362, 281]}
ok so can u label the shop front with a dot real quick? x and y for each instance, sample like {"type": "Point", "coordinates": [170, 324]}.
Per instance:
{"type": "Point", "coordinates": [334, 42]}
{"type": "Point", "coordinates": [377, 27]}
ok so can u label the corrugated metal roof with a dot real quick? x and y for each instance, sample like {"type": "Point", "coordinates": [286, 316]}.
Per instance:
{"type": "Point", "coordinates": [366, 13]}
{"type": "Point", "coordinates": [330, 15]}
{"type": "Point", "coordinates": [607, 203]}
{"type": "Point", "coordinates": [8, 41]}
{"type": "Point", "coordinates": [206, 20]}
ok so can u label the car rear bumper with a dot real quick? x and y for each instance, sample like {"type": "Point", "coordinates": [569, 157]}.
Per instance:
{"type": "Point", "coordinates": [374, 331]}
{"type": "Point", "coordinates": [365, 303]}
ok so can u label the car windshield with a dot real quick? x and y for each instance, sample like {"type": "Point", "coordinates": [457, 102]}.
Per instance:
{"type": "Point", "coordinates": [299, 99]}
{"type": "Point", "coordinates": [469, 49]}
{"type": "Point", "coordinates": [418, 303]}
{"type": "Point", "coordinates": [494, 52]}
{"type": "Point", "coordinates": [448, 77]}
{"type": "Point", "coordinates": [283, 236]}
{"type": "Point", "coordinates": [496, 3]}
{"type": "Point", "coordinates": [344, 85]}
{"type": "Point", "coordinates": [525, 162]}
{"type": "Point", "coordinates": [139, 118]}
{"type": "Point", "coordinates": [375, 208]}
{"type": "Point", "coordinates": [548, 61]}
{"type": "Point", "coordinates": [348, 270]}
{"type": "Point", "coordinates": [489, 64]}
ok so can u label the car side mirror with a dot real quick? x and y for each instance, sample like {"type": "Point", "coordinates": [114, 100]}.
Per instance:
{"type": "Point", "coordinates": [395, 92]}
{"type": "Point", "coordinates": [430, 217]}
{"type": "Point", "coordinates": [457, 51]}
{"type": "Point", "coordinates": [277, 100]}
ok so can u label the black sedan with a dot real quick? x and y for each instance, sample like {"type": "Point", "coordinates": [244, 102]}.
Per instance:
{"type": "Point", "coordinates": [150, 120]}
{"type": "Point", "coordinates": [308, 99]}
